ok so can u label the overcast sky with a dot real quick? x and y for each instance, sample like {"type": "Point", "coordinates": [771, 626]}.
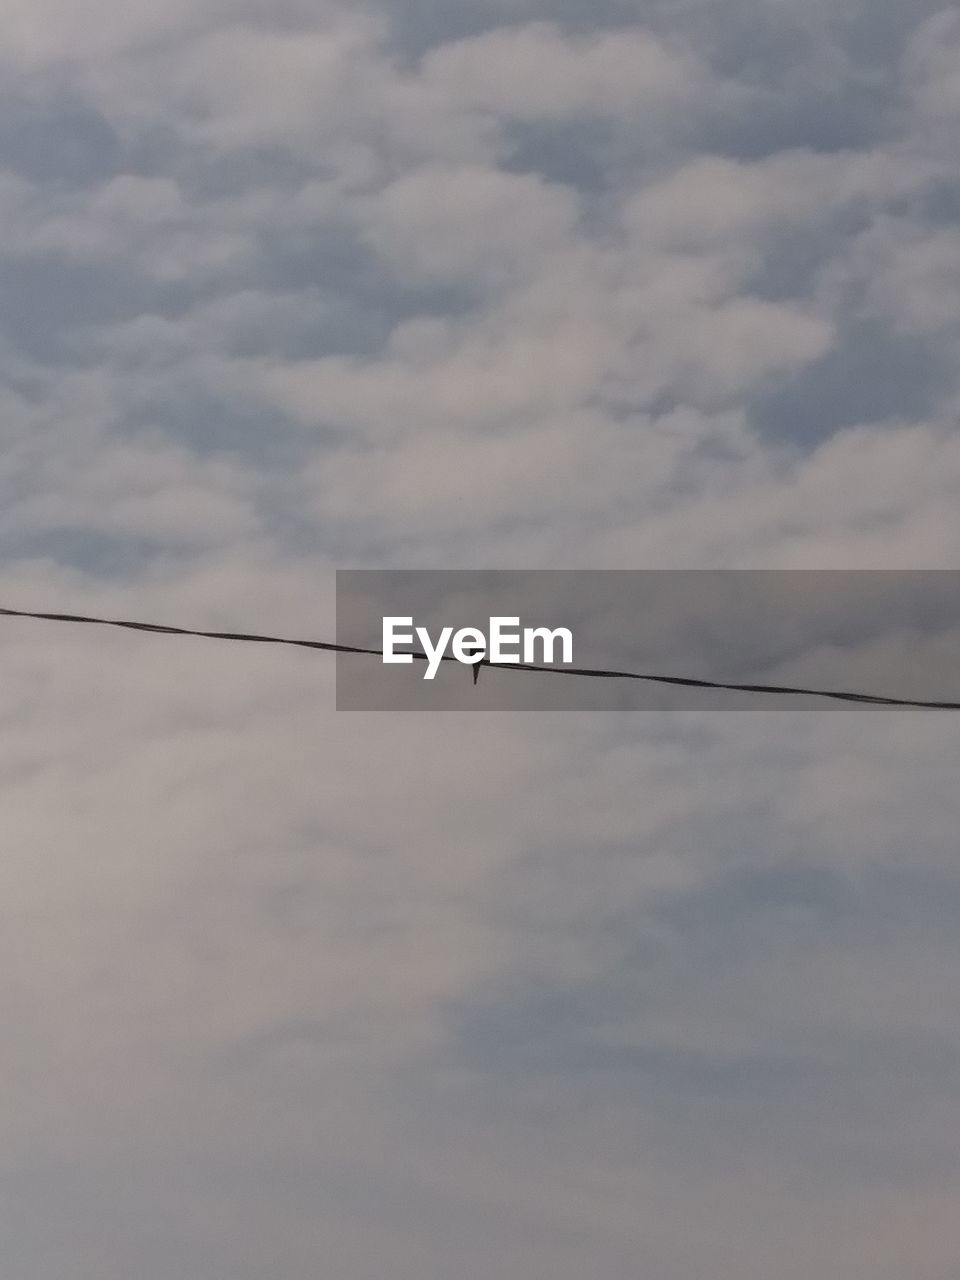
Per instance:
{"type": "Point", "coordinates": [295, 285]}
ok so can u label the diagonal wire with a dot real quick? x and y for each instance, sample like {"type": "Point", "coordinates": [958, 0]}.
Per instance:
{"type": "Point", "coordinates": [597, 673]}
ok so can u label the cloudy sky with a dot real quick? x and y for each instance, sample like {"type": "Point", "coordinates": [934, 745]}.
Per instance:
{"type": "Point", "coordinates": [290, 286]}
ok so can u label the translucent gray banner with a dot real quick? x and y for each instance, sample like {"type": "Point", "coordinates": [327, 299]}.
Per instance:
{"type": "Point", "coordinates": [885, 633]}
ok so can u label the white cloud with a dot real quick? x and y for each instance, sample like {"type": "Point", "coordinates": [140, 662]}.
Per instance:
{"type": "Point", "coordinates": [537, 72]}
{"type": "Point", "coordinates": [714, 200]}
{"type": "Point", "coordinates": [279, 292]}
{"type": "Point", "coordinates": [931, 66]}
{"type": "Point", "coordinates": [474, 224]}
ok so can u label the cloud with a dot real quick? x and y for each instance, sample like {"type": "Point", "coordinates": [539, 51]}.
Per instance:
{"type": "Point", "coordinates": [438, 223]}
{"type": "Point", "coordinates": [931, 68]}
{"type": "Point", "coordinates": [538, 72]}
{"type": "Point", "coordinates": [286, 287]}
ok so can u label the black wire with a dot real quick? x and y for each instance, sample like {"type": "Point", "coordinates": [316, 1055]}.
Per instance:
{"type": "Point", "coordinates": [329, 646]}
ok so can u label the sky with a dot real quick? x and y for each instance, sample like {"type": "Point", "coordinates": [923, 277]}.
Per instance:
{"type": "Point", "coordinates": [296, 286]}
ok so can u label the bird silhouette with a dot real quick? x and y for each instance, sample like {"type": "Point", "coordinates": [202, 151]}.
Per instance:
{"type": "Point", "coordinates": [476, 666]}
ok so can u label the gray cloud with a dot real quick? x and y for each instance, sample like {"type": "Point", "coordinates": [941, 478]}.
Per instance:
{"type": "Point", "coordinates": [288, 286]}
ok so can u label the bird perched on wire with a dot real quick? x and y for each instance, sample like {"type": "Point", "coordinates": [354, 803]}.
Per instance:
{"type": "Point", "coordinates": [472, 652]}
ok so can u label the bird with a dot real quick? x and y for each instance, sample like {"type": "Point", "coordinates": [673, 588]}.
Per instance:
{"type": "Point", "coordinates": [475, 649]}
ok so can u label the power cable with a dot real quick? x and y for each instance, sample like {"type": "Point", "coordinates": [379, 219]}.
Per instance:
{"type": "Point", "coordinates": [596, 673]}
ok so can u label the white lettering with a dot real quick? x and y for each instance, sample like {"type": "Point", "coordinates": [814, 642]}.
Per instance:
{"type": "Point", "coordinates": [499, 637]}
{"type": "Point", "coordinates": [469, 645]}
{"type": "Point", "coordinates": [434, 652]}
{"type": "Point", "coordinates": [391, 639]}
{"type": "Point", "coordinates": [532, 634]}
